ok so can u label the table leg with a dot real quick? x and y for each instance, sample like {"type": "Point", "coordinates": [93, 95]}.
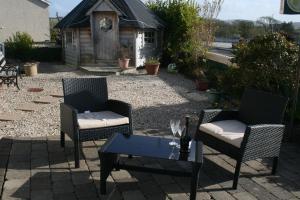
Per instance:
{"type": "Point", "coordinates": [194, 180]}
{"type": "Point", "coordinates": [107, 161]}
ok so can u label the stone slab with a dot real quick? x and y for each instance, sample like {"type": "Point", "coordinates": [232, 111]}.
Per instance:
{"type": "Point", "coordinates": [35, 89]}
{"type": "Point", "coordinates": [45, 100]}
{"type": "Point", "coordinates": [9, 117]}
{"type": "Point", "coordinates": [62, 181]}
{"type": "Point", "coordinates": [29, 107]}
{"type": "Point", "coordinates": [57, 94]}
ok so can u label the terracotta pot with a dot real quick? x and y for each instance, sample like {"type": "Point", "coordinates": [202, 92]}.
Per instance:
{"type": "Point", "coordinates": [201, 85]}
{"type": "Point", "coordinates": [152, 69]}
{"type": "Point", "coordinates": [124, 63]}
{"type": "Point", "coordinates": [31, 69]}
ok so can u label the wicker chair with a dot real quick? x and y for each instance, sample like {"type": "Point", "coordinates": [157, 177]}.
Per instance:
{"type": "Point", "coordinates": [87, 114]}
{"type": "Point", "coordinates": [254, 131]}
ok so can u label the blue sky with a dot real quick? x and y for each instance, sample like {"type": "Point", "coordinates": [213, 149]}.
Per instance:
{"type": "Point", "coordinates": [232, 9]}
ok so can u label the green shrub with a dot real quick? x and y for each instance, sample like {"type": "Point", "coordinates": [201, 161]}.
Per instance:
{"type": "Point", "coordinates": [182, 19]}
{"type": "Point", "coordinates": [19, 46]}
{"type": "Point", "coordinates": [215, 72]}
{"type": "Point", "coordinates": [46, 54]}
{"type": "Point", "coordinates": [268, 63]}
{"type": "Point", "coordinates": [152, 61]}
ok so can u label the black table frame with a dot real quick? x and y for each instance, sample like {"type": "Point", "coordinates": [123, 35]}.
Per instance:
{"type": "Point", "coordinates": [110, 161]}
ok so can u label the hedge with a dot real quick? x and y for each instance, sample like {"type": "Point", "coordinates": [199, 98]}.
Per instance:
{"type": "Point", "coordinates": [41, 54]}
{"type": "Point", "coordinates": [46, 54]}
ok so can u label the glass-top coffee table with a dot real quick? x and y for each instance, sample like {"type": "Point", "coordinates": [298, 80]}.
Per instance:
{"type": "Point", "coordinates": [148, 147]}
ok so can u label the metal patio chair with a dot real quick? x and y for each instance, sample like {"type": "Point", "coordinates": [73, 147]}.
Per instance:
{"type": "Point", "coordinates": [8, 74]}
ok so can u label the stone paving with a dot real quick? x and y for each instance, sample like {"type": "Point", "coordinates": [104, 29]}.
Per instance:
{"type": "Point", "coordinates": [38, 168]}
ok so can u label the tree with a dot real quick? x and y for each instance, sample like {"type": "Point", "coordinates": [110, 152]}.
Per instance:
{"type": "Point", "coordinates": [288, 29]}
{"type": "Point", "coordinates": [189, 29]}
{"type": "Point", "coordinates": [268, 23]}
{"type": "Point", "coordinates": [245, 28]}
{"type": "Point", "coordinates": [209, 10]}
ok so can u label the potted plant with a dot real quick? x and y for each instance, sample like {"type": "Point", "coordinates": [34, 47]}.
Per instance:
{"type": "Point", "coordinates": [200, 79]}
{"type": "Point", "coordinates": [31, 68]}
{"type": "Point", "coordinates": [124, 57]}
{"type": "Point", "coordinates": [152, 66]}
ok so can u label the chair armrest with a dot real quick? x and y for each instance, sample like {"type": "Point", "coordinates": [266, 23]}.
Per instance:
{"type": "Point", "coordinates": [261, 141]}
{"type": "Point", "coordinates": [122, 108]}
{"type": "Point", "coordinates": [68, 119]}
{"type": "Point", "coordinates": [211, 115]}
{"type": "Point", "coordinates": [8, 68]}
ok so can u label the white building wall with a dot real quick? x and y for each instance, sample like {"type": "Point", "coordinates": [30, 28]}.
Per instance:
{"type": "Point", "coordinates": [30, 16]}
{"type": "Point", "coordinates": [145, 51]}
{"type": "Point", "coordinates": [140, 58]}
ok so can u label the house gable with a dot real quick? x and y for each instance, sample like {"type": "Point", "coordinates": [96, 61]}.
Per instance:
{"type": "Point", "coordinates": [134, 14]}
{"type": "Point", "coordinates": [103, 6]}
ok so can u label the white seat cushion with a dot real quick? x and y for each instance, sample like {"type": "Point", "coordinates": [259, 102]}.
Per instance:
{"type": "Point", "coordinates": [100, 120]}
{"type": "Point", "coordinates": [230, 131]}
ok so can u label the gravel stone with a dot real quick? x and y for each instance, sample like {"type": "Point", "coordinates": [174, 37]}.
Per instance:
{"type": "Point", "coordinates": [155, 100]}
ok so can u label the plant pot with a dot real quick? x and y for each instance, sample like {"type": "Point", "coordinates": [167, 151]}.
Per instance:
{"type": "Point", "coordinates": [152, 69]}
{"type": "Point", "coordinates": [31, 69]}
{"type": "Point", "coordinates": [201, 85]}
{"type": "Point", "coordinates": [124, 63]}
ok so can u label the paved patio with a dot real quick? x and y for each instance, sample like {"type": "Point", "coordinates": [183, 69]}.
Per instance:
{"type": "Point", "coordinates": [38, 168]}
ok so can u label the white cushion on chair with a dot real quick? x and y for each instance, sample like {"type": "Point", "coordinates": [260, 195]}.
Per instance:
{"type": "Point", "coordinates": [230, 131]}
{"type": "Point", "coordinates": [100, 120]}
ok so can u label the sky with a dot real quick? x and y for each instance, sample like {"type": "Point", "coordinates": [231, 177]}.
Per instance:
{"type": "Point", "coordinates": [231, 9]}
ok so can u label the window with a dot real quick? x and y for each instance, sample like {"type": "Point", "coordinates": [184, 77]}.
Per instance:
{"type": "Point", "coordinates": [105, 24]}
{"type": "Point", "coordinates": [149, 37]}
{"type": "Point", "coordinates": [69, 37]}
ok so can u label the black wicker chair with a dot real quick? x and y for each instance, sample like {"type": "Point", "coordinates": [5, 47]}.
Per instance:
{"type": "Point", "coordinates": [254, 131]}
{"type": "Point", "coordinates": [87, 114]}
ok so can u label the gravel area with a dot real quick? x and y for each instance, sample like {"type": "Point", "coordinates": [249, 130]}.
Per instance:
{"type": "Point", "coordinates": [155, 99]}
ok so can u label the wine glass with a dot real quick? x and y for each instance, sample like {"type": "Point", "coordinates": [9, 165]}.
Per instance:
{"type": "Point", "coordinates": [172, 155]}
{"type": "Point", "coordinates": [180, 130]}
{"type": "Point", "coordinates": [174, 129]}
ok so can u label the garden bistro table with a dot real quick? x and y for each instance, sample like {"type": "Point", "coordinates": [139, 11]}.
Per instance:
{"type": "Point", "coordinates": [150, 147]}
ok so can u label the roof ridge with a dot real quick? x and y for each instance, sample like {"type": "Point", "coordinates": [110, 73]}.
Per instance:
{"type": "Point", "coordinates": [46, 2]}
{"type": "Point", "coordinates": [130, 10]}
{"type": "Point", "coordinates": [73, 14]}
{"type": "Point", "coordinates": [134, 14]}
{"type": "Point", "coordinates": [114, 4]}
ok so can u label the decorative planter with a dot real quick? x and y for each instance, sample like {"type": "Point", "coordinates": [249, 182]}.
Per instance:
{"type": "Point", "coordinates": [152, 69]}
{"type": "Point", "coordinates": [201, 85]}
{"type": "Point", "coordinates": [31, 69]}
{"type": "Point", "coordinates": [124, 63]}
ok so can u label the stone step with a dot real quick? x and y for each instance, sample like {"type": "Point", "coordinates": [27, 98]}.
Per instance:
{"type": "Point", "coordinates": [107, 61]}
{"type": "Point", "coordinates": [104, 64]}
{"type": "Point", "coordinates": [101, 71]}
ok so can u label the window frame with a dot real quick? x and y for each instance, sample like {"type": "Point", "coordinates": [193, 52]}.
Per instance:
{"type": "Point", "coordinates": [152, 37]}
{"type": "Point", "coordinates": [69, 37]}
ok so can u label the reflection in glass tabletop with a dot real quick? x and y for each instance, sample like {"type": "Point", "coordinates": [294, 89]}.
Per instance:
{"type": "Point", "coordinates": [149, 146]}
